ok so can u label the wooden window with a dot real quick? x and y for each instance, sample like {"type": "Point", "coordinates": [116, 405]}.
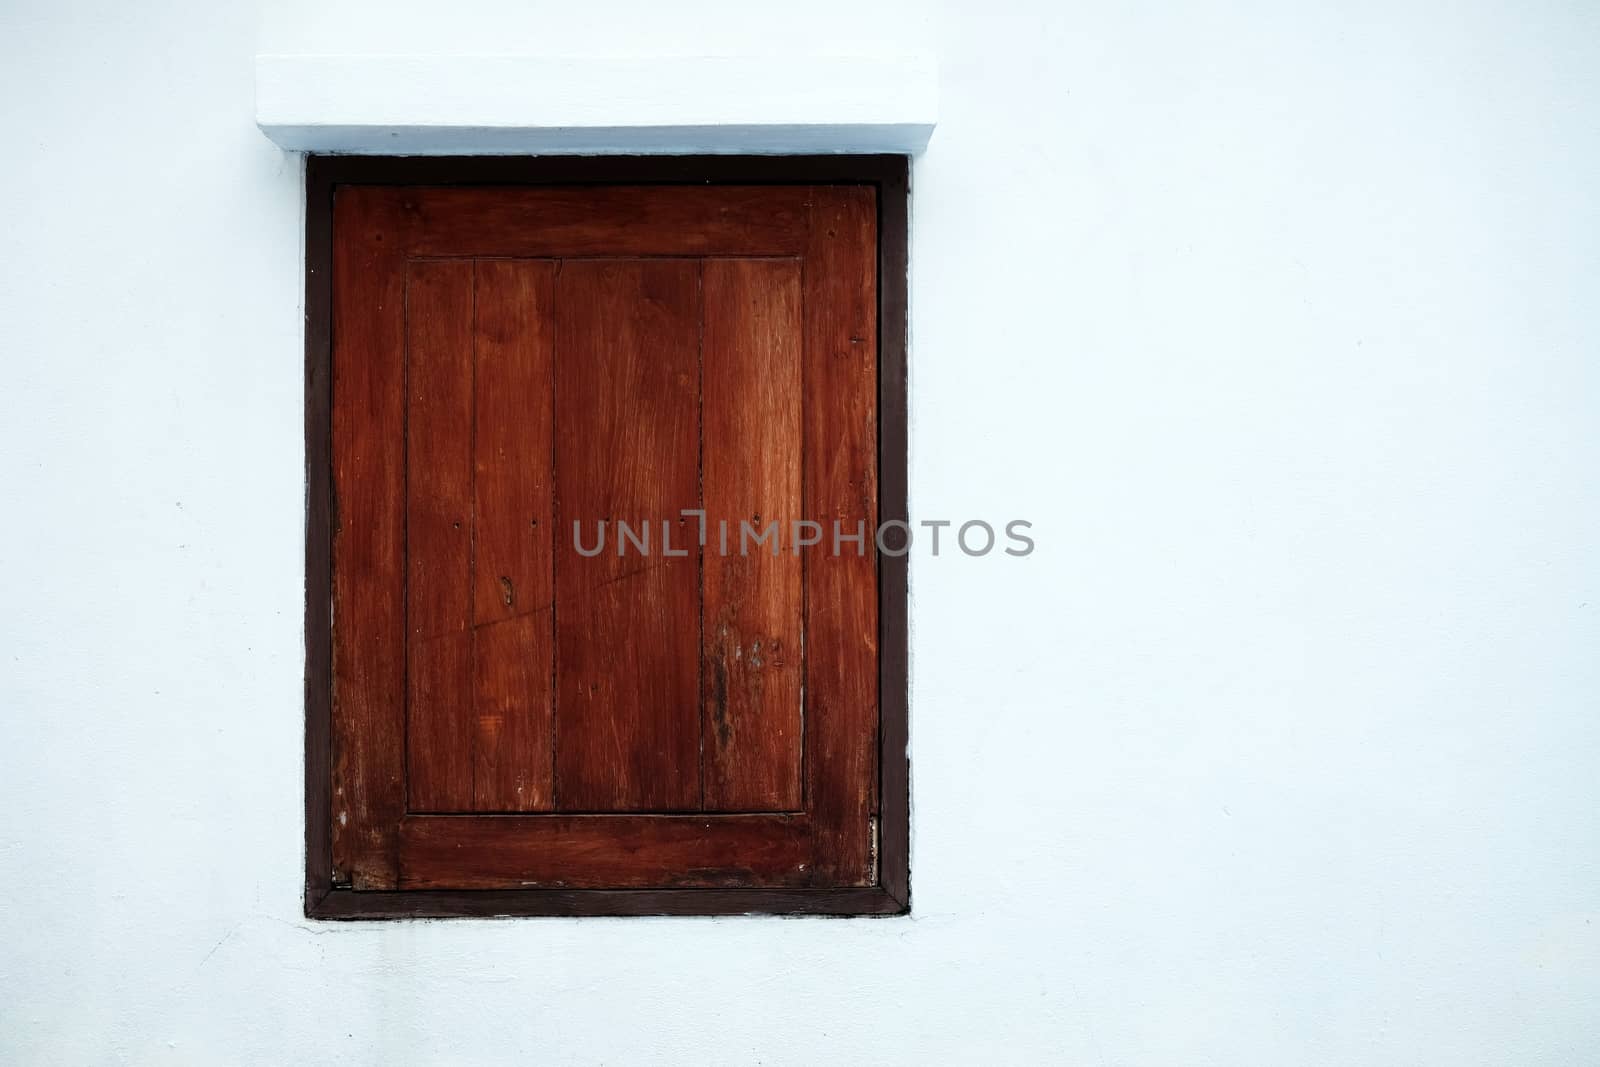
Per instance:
{"type": "Point", "coordinates": [689, 363]}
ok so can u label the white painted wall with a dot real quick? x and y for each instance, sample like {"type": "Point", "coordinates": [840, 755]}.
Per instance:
{"type": "Point", "coordinates": [1278, 319]}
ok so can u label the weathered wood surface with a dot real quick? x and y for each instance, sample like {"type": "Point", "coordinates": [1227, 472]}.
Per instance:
{"type": "Point", "coordinates": [505, 365]}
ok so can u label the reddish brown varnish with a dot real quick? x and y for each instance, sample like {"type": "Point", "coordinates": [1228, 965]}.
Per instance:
{"type": "Point", "coordinates": [751, 667]}
{"type": "Point", "coordinates": [509, 713]}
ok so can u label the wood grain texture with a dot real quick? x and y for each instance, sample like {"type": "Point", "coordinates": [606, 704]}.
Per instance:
{"type": "Point", "coordinates": [627, 435]}
{"type": "Point", "coordinates": [511, 754]}
{"type": "Point", "coordinates": [318, 622]}
{"type": "Point", "coordinates": [619, 220]}
{"type": "Point", "coordinates": [841, 487]}
{"type": "Point", "coordinates": [603, 851]}
{"type": "Point", "coordinates": [894, 774]}
{"type": "Point", "coordinates": [368, 478]}
{"type": "Point", "coordinates": [751, 452]}
{"type": "Point", "coordinates": [364, 727]}
{"type": "Point", "coordinates": [343, 905]}
{"type": "Point", "coordinates": [513, 528]}
{"type": "Point", "coordinates": [438, 448]}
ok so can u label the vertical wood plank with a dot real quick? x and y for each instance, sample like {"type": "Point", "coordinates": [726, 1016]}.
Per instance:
{"type": "Point", "coordinates": [368, 730]}
{"type": "Point", "coordinates": [512, 705]}
{"type": "Point", "coordinates": [512, 592]}
{"type": "Point", "coordinates": [841, 487]}
{"type": "Point", "coordinates": [751, 473]}
{"type": "Point", "coordinates": [319, 535]}
{"type": "Point", "coordinates": [627, 437]}
{"type": "Point", "coordinates": [894, 782]}
{"type": "Point", "coordinates": [439, 399]}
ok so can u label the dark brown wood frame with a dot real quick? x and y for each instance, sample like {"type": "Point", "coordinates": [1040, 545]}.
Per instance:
{"type": "Point", "coordinates": [889, 174]}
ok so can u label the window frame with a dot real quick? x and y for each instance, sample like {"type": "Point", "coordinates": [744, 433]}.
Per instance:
{"type": "Point", "coordinates": [889, 174]}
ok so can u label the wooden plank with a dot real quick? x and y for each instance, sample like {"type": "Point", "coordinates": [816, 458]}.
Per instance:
{"type": "Point", "coordinates": [894, 787]}
{"type": "Point", "coordinates": [319, 534]}
{"type": "Point", "coordinates": [751, 448]}
{"type": "Point", "coordinates": [511, 727]}
{"type": "Point", "coordinates": [617, 220]}
{"type": "Point", "coordinates": [841, 487]}
{"type": "Point", "coordinates": [627, 636]}
{"type": "Point", "coordinates": [344, 905]}
{"type": "Point", "coordinates": [603, 851]}
{"type": "Point", "coordinates": [368, 623]}
{"type": "Point", "coordinates": [439, 639]}
{"type": "Point", "coordinates": [535, 171]}
{"type": "Point", "coordinates": [513, 523]}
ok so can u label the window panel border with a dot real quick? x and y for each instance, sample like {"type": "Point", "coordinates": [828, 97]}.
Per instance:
{"type": "Point", "coordinates": [889, 175]}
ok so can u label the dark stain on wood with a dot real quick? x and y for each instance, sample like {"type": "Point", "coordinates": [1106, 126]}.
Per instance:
{"type": "Point", "coordinates": [719, 697]}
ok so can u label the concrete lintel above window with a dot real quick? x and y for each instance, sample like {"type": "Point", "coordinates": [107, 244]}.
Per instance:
{"type": "Point", "coordinates": [515, 105]}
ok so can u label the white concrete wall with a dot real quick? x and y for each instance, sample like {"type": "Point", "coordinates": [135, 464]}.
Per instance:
{"type": "Point", "coordinates": [1279, 320]}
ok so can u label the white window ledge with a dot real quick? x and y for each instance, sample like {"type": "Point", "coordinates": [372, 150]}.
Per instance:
{"type": "Point", "coordinates": [499, 105]}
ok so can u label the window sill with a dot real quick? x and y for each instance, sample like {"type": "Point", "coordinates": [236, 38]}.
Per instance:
{"type": "Point", "coordinates": [503, 105]}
